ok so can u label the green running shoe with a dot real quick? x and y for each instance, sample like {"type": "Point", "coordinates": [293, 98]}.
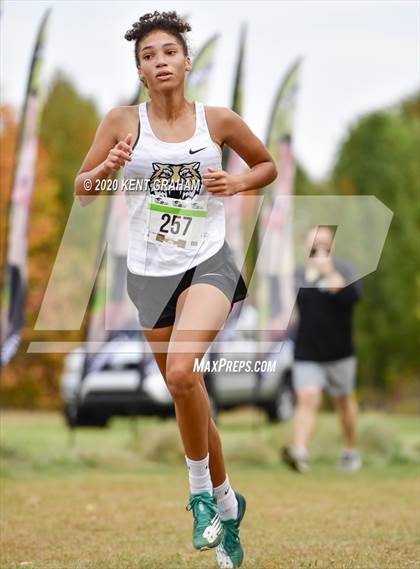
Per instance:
{"type": "Point", "coordinates": [207, 529]}
{"type": "Point", "coordinates": [229, 553]}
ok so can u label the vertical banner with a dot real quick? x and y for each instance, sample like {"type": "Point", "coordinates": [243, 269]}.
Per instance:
{"type": "Point", "coordinates": [275, 291]}
{"type": "Point", "coordinates": [198, 79]}
{"type": "Point", "coordinates": [235, 165]}
{"type": "Point", "coordinates": [15, 274]}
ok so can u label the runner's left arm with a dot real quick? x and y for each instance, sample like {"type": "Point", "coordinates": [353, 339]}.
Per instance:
{"type": "Point", "coordinates": [240, 138]}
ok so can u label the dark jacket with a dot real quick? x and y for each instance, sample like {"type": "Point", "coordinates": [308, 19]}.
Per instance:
{"type": "Point", "coordinates": [324, 329]}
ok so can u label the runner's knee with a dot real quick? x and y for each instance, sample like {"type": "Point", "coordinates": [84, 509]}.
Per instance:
{"type": "Point", "coordinates": [180, 377]}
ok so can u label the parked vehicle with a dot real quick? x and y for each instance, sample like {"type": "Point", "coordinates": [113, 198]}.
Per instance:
{"type": "Point", "coordinates": [126, 381]}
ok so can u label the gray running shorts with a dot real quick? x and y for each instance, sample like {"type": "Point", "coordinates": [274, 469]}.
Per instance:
{"type": "Point", "coordinates": [337, 377]}
{"type": "Point", "coordinates": [155, 297]}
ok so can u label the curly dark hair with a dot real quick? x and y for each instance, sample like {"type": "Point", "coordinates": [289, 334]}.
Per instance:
{"type": "Point", "coordinates": [167, 21]}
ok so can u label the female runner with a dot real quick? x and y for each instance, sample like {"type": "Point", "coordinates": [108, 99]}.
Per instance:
{"type": "Point", "coordinates": [181, 274]}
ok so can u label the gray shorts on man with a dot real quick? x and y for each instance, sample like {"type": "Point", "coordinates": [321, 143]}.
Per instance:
{"type": "Point", "coordinates": [337, 377]}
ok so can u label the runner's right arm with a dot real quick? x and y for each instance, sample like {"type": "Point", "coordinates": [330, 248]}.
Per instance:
{"type": "Point", "coordinates": [106, 155]}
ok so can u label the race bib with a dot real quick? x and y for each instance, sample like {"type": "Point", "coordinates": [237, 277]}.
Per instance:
{"type": "Point", "coordinates": [175, 222]}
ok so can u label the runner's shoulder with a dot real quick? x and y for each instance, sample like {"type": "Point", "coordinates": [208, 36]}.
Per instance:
{"type": "Point", "coordinates": [123, 112]}
{"type": "Point", "coordinates": [120, 120]}
{"type": "Point", "coordinates": [221, 113]}
{"type": "Point", "coordinates": [222, 120]}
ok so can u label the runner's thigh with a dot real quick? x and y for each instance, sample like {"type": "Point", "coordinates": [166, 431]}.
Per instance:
{"type": "Point", "coordinates": [201, 312]}
{"type": "Point", "coordinates": [158, 339]}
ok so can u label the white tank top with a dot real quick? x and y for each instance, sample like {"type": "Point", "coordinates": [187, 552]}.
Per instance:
{"type": "Point", "coordinates": [174, 222]}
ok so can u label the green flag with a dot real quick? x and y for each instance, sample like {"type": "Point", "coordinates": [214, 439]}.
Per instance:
{"type": "Point", "coordinates": [275, 290]}
{"type": "Point", "coordinates": [15, 274]}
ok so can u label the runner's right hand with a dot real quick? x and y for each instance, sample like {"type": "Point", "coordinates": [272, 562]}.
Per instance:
{"type": "Point", "coordinates": [119, 155]}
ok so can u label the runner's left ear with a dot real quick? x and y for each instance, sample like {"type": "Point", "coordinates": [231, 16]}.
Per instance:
{"type": "Point", "coordinates": [142, 79]}
{"type": "Point", "coordinates": [188, 63]}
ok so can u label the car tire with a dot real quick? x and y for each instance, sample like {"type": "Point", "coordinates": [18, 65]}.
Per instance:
{"type": "Point", "coordinates": [165, 415]}
{"type": "Point", "coordinates": [70, 413]}
{"type": "Point", "coordinates": [281, 408]}
{"type": "Point", "coordinates": [74, 417]}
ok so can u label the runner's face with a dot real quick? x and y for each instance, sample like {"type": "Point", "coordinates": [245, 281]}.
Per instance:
{"type": "Point", "coordinates": [162, 61]}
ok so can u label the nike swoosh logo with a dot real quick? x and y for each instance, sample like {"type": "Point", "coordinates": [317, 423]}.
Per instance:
{"type": "Point", "coordinates": [209, 274]}
{"type": "Point", "coordinates": [199, 150]}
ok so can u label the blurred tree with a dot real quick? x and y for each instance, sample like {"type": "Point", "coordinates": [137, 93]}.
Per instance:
{"type": "Point", "coordinates": [304, 186]}
{"type": "Point", "coordinates": [68, 125]}
{"type": "Point", "coordinates": [29, 379]}
{"type": "Point", "coordinates": [380, 157]}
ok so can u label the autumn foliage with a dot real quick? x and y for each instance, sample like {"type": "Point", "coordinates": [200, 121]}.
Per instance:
{"type": "Point", "coordinates": [31, 380]}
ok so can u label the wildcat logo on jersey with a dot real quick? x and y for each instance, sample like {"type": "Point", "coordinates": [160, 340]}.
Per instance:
{"type": "Point", "coordinates": [178, 181]}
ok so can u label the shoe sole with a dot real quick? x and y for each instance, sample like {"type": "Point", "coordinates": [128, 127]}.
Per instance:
{"type": "Point", "coordinates": [287, 459]}
{"type": "Point", "coordinates": [208, 547]}
{"type": "Point", "coordinates": [241, 499]}
{"type": "Point", "coordinates": [290, 461]}
{"type": "Point", "coordinates": [244, 506]}
{"type": "Point", "coordinates": [212, 546]}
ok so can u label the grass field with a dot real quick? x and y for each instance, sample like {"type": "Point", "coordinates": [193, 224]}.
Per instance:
{"type": "Point", "coordinates": [115, 498]}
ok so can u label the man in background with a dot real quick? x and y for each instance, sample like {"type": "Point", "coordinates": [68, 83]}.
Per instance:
{"type": "Point", "coordinates": [324, 351]}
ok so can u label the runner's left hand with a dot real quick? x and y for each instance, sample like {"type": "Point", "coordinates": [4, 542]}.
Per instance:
{"type": "Point", "coordinates": [220, 183]}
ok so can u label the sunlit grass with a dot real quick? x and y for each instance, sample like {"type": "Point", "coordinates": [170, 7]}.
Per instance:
{"type": "Point", "coordinates": [115, 498]}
